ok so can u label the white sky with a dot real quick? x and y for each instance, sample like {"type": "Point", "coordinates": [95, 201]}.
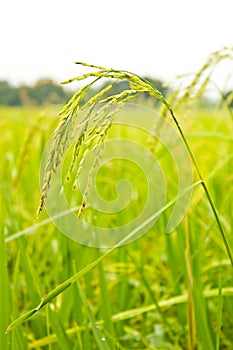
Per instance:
{"type": "Point", "coordinates": [158, 38]}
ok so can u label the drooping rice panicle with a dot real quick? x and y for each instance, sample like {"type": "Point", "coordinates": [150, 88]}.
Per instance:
{"type": "Point", "coordinates": [138, 84]}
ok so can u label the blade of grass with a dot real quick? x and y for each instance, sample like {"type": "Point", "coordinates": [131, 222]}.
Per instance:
{"type": "Point", "coordinates": [228, 291]}
{"type": "Point", "coordinates": [19, 341]}
{"type": "Point", "coordinates": [190, 306]}
{"type": "Point", "coordinates": [106, 311]}
{"type": "Point", "coordinates": [175, 248]}
{"type": "Point", "coordinates": [100, 338]}
{"type": "Point", "coordinates": [31, 279]}
{"type": "Point", "coordinates": [48, 329]}
{"type": "Point", "coordinates": [201, 309]}
{"type": "Point", "coordinates": [31, 229]}
{"type": "Point", "coordinates": [202, 318]}
{"type": "Point", "coordinates": [152, 294]}
{"type": "Point", "coordinates": [57, 325]}
{"type": "Point", "coordinates": [219, 313]}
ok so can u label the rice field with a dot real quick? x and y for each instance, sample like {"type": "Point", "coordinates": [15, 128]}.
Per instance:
{"type": "Point", "coordinates": [161, 291]}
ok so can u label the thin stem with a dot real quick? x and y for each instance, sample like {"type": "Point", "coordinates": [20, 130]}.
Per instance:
{"type": "Point", "coordinates": [204, 186]}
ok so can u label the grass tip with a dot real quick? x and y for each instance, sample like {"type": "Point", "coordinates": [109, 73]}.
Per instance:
{"type": "Point", "coordinates": [8, 330]}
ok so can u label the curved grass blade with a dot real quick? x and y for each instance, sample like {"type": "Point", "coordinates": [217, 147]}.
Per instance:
{"type": "Point", "coordinates": [66, 284]}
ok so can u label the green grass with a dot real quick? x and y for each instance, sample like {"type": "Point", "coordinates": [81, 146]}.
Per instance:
{"type": "Point", "coordinates": [163, 291]}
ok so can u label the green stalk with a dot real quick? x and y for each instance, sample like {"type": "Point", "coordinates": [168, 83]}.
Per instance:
{"type": "Point", "coordinates": [203, 185]}
{"type": "Point", "coordinates": [164, 101]}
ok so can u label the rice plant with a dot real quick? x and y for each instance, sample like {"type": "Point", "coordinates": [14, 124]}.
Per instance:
{"type": "Point", "coordinates": [142, 295]}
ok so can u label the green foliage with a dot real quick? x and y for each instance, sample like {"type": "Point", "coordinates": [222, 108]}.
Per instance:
{"type": "Point", "coordinates": [9, 95]}
{"type": "Point", "coordinates": [47, 92]}
{"type": "Point", "coordinates": [44, 92]}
